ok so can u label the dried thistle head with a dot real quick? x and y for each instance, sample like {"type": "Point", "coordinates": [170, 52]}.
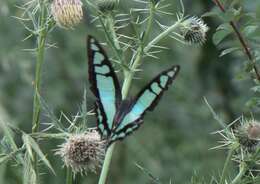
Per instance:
{"type": "Point", "coordinates": [106, 5]}
{"type": "Point", "coordinates": [249, 134]}
{"type": "Point", "coordinates": [83, 152]}
{"type": "Point", "coordinates": [194, 30]}
{"type": "Point", "coordinates": [67, 13]}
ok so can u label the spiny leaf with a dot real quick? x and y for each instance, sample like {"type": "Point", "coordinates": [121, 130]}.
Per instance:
{"type": "Point", "coordinates": [29, 174]}
{"type": "Point", "coordinates": [228, 51]}
{"type": "Point", "coordinates": [9, 138]}
{"type": "Point", "coordinates": [145, 171]}
{"type": "Point", "coordinates": [8, 134]}
{"type": "Point", "coordinates": [31, 144]}
{"type": "Point", "coordinates": [27, 144]}
{"type": "Point", "coordinates": [4, 158]}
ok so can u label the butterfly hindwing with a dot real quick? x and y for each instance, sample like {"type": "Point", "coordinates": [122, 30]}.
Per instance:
{"type": "Point", "coordinates": [146, 100]}
{"type": "Point", "coordinates": [104, 85]}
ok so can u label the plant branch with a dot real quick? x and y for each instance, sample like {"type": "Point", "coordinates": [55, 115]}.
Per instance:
{"type": "Point", "coordinates": [41, 40]}
{"type": "Point", "coordinates": [69, 177]}
{"type": "Point", "coordinates": [162, 35]}
{"type": "Point", "coordinates": [224, 172]}
{"type": "Point", "coordinates": [242, 171]}
{"type": "Point", "coordinates": [241, 40]}
{"type": "Point", "coordinates": [150, 22]}
{"type": "Point", "coordinates": [112, 39]}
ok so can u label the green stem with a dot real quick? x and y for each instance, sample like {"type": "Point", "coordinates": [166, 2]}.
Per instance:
{"type": "Point", "coordinates": [69, 177]}
{"type": "Point", "coordinates": [224, 172]}
{"type": "Point", "coordinates": [150, 22]}
{"type": "Point", "coordinates": [113, 41]}
{"type": "Point", "coordinates": [242, 171]}
{"type": "Point", "coordinates": [36, 101]}
{"type": "Point", "coordinates": [162, 35]}
{"type": "Point", "coordinates": [107, 161]}
{"type": "Point", "coordinates": [112, 30]}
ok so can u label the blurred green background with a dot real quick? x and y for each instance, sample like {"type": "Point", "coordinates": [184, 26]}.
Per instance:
{"type": "Point", "coordinates": [175, 139]}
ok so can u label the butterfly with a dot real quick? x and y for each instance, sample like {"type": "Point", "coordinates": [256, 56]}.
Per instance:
{"type": "Point", "coordinates": [117, 118]}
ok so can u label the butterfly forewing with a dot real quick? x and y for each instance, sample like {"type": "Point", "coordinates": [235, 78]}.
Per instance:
{"type": "Point", "coordinates": [104, 85]}
{"type": "Point", "coordinates": [146, 100]}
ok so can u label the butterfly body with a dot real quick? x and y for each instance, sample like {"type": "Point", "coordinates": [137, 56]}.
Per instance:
{"type": "Point", "coordinates": [117, 118]}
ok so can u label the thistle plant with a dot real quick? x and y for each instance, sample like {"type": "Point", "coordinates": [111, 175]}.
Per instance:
{"type": "Point", "coordinates": [241, 137]}
{"type": "Point", "coordinates": [82, 149]}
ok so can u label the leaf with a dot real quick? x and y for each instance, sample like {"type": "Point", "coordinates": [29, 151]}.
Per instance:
{"type": "Point", "coordinates": [5, 146]}
{"type": "Point", "coordinates": [8, 134]}
{"type": "Point", "coordinates": [253, 102]}
{"type": "Point", "coordinates": [249, 30]}
{"type": "Point", "coordinates": [31, 144]}
{"type": "Point", "coordinates": [225, 26]}
{"type": "Point", "coordinates": [231, 14]}
{"type": "Point", "coordinates": [4, 158]}
{"type": "Point", "coordinates": [241, 76]}
{"type": "Point", "coordinates": [29, 174]}
{"type": "Point", "coordinates": [27, 144]}
{"type": "Point", "coordinates": [228, 51]}
{"type": "Point", "coordinates": [222, 32]}
{"type": "Point", "coordinates": [219, 36]}
{"type": "Point", "coordinates": [210, 14]}
{"type": "Point", "coordinates": [256, 89]}
{"type": "Point", "coordinates": [249, 67]}
{"type": "Point", "coordinates": [9, 138]}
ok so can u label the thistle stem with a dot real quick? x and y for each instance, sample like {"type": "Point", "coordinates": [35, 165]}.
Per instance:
{"type": "Point", "coordinates": [150, 22]}
{"type": "Point", "coordinates": [162, 35]}
{"type": "Point", "coordinates": [112, 30]}
{"type": "Point", "coordinates": [113, 41]}
{"type": "Point", "coordinates": [36, 101]}
{"type": "Point", "coordinates": [242, 171]}
{"type": "Point", "coordinates": [69, 177]}
{"type": "Point", "coordinates": [106, 164]}
{"type": "Point", "coordinates": [224, 172]}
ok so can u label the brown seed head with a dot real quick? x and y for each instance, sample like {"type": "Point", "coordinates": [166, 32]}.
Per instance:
{"type": "Point", "coordinates": [67, 13]}
{"type": "Point", "coordinates": [83, 152]}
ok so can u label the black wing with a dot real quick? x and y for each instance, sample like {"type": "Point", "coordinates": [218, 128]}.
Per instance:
{"type": "Point", "coordinates": [104, 85]}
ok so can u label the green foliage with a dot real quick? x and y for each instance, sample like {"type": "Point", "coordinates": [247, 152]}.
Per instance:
{"type": "Point", "coordinates": [174, 141]}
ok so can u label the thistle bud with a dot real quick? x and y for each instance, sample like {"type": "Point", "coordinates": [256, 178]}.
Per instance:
{"type": "Point", "coordinates": [83, 152]}
{"type": "Point", "coordinates": [194, 30]}
{"type": "Point", "coordinates": [106, 5]}
{"type": "Point", "coordinates": [67, 13]}
{"type": "Point", "coordinates": [249, 134]}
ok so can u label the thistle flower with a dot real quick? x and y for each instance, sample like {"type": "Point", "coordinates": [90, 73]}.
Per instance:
{"type": "Point", "coordinates": [67, 13]}
{"type": "Point", "coordinates": [106, 5]}
{"type": "Point", "coordinates": [194, 30]}
{"type": "Point", "coordinates": [249, 134]}
{"type": "Point", "coordinates": [83, 152]}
